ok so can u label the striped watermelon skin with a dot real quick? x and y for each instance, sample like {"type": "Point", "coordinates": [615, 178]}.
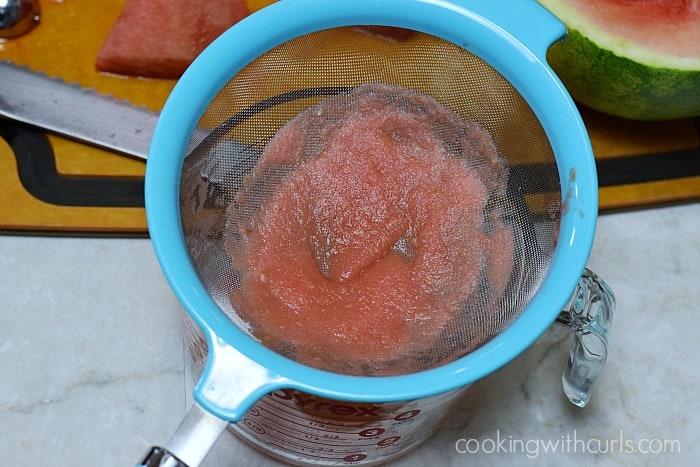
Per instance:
{"type": "Point", "coordinates": [608, 73]}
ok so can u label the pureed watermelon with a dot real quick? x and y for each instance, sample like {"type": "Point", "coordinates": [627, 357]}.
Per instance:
{"type": "Point", "coordinates": [638, 59]}
{"type": "Point", "coordinates": [376, 237]}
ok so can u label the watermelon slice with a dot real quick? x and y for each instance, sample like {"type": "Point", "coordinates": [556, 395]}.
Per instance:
{"type": "Point", "coordinates": [638, 59]}
{"type": "Point", "coordinates": [160, 38]}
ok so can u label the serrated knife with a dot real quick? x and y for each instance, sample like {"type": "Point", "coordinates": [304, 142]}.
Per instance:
{"type": "Point", "coordinates": [76, 112]}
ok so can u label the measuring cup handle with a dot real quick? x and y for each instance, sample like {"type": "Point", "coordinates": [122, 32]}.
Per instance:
{"type": "Point", "coordinates": [589, 316]}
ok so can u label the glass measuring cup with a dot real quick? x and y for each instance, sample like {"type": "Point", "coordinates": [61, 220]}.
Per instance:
{"type": "Point", "coordinates": [301, 428]}
{"type": "Point", "coordinates": [239, 371]}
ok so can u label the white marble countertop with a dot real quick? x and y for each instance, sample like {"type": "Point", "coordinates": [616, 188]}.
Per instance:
{"type": "Point", "coordinates": [92, 366]}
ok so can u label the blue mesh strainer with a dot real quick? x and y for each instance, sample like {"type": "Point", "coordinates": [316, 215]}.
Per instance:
{"type": "Point", "coordinates": [485, 62]}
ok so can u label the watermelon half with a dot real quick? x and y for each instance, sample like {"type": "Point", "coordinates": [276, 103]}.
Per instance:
{"type": "Point", "coordinates": [637, 59]}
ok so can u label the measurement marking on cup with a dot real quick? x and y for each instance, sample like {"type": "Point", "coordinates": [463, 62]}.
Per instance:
{"type": "Point", "coordinates": [312, 432]}
{"type": "Point", "coordinates": [284, 438]}
{"type": "Point", "coordinates": [280, 410]}
{"type": "Point", "coordinates": [318, 439]}
{"type": "Point", "coordinates": [336, 443]}
{"type": "Point", "coordinates": [301, 423]}
{"type": "Point", "coordinates": [353, 457]}
{"type": "Point", "coordinates": [282, 441]}
{"type": "Point", "coordinates": [324, 429]}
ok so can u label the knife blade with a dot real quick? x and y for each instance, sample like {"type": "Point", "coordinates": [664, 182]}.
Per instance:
{"type": "Point", "coordinates": [70, 110]}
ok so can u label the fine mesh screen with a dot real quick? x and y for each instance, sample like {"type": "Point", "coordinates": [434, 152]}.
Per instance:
{"type": "Point", "coordinates": [320, 245]}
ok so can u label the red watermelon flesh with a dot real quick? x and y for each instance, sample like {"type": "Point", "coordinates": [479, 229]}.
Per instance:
{"type": "Point", "coordinates": [160, 38]}
{"type": "Point", "coordinates": [663, 26]}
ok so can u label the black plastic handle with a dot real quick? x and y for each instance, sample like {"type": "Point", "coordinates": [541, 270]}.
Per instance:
{"type": "Point", "coordinates": [160, 457]}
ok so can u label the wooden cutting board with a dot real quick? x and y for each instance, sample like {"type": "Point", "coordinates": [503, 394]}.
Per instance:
{"type": "Point", "coordinates": [52, 185]}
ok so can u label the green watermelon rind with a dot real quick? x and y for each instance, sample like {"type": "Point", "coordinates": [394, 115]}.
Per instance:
{"type": "Point", "coordinates": [619, 77]}
{"type": "Point", "coordinates": [617, 85]}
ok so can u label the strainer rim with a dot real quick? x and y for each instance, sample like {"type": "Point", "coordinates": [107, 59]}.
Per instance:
{"type": "Point", "coordinates": [525, 68]}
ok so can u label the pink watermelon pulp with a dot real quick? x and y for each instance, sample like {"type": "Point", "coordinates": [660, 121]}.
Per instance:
{"type": "Point", "coordinates": [638, 59]}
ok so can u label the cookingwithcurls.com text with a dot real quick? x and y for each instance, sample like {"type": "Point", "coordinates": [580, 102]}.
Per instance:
{"type": "Point", "coordinates": [568, 443]}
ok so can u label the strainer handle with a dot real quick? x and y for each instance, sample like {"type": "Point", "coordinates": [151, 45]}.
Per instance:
{"type": "Point", "coordinates": [589, 316]}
